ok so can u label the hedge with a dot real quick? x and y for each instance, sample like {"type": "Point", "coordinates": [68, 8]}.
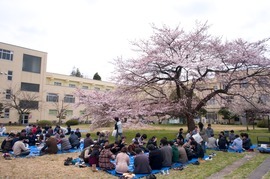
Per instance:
{"type": "Point", "coordinates": [72, 122]}
{"type": "Point", "coordinates": [43, 123]}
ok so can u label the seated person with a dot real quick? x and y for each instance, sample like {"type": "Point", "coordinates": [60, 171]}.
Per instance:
{"type": "Point", "coordinates": [212, 142]}
{"type": "Point", "coordinates": [31, 139]}
{"type": "Point", "coordinates": [137, 136]}
{"type": "Point", "coordinates": [222, 142]}
{"type": "Point", "coordinates": [68, 130]}
{"type": "Point", "coordinates": [152, 140]}
{"type": "Point", "coordinates": [65, 144]}
{"type": "Point", "coordinates": [197, 150]}
{"type": "Point", "coordinates": [142, 142]}
{"type": "Point", "coordinates": [155, 157]}
{"type": "Point", "coordinates": [115, 147]}
{"type": "Point", "coordinates": [246, 141]}
{"type": "Point", "coordinates": [122, 161]}
{"type": "Point", "coordinates": [237, 143]}
{"type": "Point", "coordinates": [50, 146]}
{"type": "Point", "coordinates": [87, 141]}
{"type": "Point", "coordinates": [74, 140]}
{"type": "Point", "coordinates": [78, 133]}
{"type": "Point", "coordinates": [122, 142]}
{"type": "Point", "coordinates": [166, 152]}
{"type": "Point", "coordinates": [132, 147]}
{"type": "Point", "coordinates": [188, 148]}
{"type": "Point", "coordinates": [6, 145]}
{"type": "Point", "coordinates": [175, 152]}
{"type": "Point", "coordinates": [19, 148]}
{"type": "Point", "coordinates": [180, 135]}
{"type": "Point", "coordinates": [102, 137]}
{"type": "Point", "coordinates": [85, 154]}
{"type": "Point", "coordinates": [141, 163]}
{"type": "Point", "coordinates": [183, 158]}
{"type": "Point", "coordinates": [105, 157]}
{"type": "Point", "coordinates": [94, 155]}
{"type": "Point", "coordinates": [231, 136]}
{"type": "Point", "coordinates": [2, 130]}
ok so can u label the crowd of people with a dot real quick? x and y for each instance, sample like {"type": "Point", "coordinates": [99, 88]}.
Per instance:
{"type": "Point", "coordinates": [148, 153]}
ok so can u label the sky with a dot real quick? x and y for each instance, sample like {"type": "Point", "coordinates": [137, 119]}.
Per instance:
{"type": "Point", "coordinates": [89, 34]}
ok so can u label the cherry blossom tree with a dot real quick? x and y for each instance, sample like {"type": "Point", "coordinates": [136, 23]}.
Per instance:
{"type": "Point", "coordinates": [173, 61]}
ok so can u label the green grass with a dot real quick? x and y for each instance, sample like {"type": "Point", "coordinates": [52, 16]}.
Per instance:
{"type": "Point", "coordinates": [244, 170]}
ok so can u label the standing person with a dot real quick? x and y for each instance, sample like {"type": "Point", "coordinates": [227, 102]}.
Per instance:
{"type": "Point", "coordinates": [118, 127]}
{"type": "Point", "coordinates": [122, 161]}
{"type": "Point", "coordinates": [204, 136]}
{"type": "Point", "coordinates": [50, 146]}
{"type": "Point", "coordinates": [209, 131]}
{"type": "Point", "coordinates": [19, 148]}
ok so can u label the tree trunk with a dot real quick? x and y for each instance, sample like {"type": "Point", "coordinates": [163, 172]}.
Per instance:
{"type": "Point", "coordinates": [190, 123]}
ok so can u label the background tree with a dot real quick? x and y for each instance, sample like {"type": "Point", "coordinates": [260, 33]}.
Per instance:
{"type": "Point", "coordinates": [76, 72]}
{"type": "Point", "coordinates": [97, 77]}
{"type": "Point", "coordinates": [186, 62]}
{"type": "Point", "coordinates": [22, 101]}
{"type": "Point", "coordinates": [226, 113]}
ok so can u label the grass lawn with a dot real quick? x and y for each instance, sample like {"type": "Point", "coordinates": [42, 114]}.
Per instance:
{"type": "Point", "coordinates": [51, 166]}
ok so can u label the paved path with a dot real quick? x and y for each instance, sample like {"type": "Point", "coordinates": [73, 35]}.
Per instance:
{"type": "Point", "coordinates": [230, 168]}
{"type": "Point", "coordinates": [260, 171]}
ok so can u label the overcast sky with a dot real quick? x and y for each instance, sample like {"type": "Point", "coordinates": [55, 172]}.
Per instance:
{"type": "Point", "coordinates": [88, 34]}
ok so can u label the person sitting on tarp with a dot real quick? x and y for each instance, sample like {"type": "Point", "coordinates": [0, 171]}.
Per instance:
{"type": "Point", "coordinates": [50, 146]}
{"type": "Point", "coordinates": [6, 145]}
{"type": "Point", "coordinates": [19, 148]}
{"type": "Point", "coordinates": [246, 141]}
{"type": "Point", "coordinates": [237, 143]}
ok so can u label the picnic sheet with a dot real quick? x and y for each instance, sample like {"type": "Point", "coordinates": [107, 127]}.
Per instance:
{"type": "Point", "coordinates": [254, 146]}
{"type": "Point", "coordinates": [112, 172]}
{"type": "Point", "coordinates": [35, 151]}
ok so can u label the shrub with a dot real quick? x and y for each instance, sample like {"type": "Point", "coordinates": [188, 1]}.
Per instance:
{"type": "Point", "coordinates": [72, 122]}
{"type": "Point", "coordinates": [43, 123]}
{"type": "Point", "coordinates": [262, 123]}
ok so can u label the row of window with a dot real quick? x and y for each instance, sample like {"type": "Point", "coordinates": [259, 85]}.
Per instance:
{"type": "Point", "coordinates": [53, 97]}
{"type": "Point", "coordinates": [56, 83]}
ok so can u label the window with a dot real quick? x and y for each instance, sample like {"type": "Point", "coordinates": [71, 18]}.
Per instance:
{"type": "Point", "coordinates": [69, 112]}
{"type": "Point", "coordinates": [53, 112]}
{"type": "Point", "coordinates": [263, 99]}
{"type": "Point", "coordinates": [9, 75]}
{"type": "Point", "coordinates": [82, 112]}
{"type": "Point", "coordinates": [28, 104]}
{"type": "Point", "coordinates": [52, 97]}
{"type": "Point", "coordinates": [85, 87]}
{"type": "Point", "coordinates": [30, 87]}
{"type": "Point", "coordinates": [6, 54]}
{"type": "Point", "coordinates": [57, 83]}
{"type": "Point", "coordinates": [108, 89]}
{"type": "Point", "coordinates": [97, 88]}
{"type": "Point", "coordinates": [212, 101]}
{"type": "Point", "coordinates": [244, 84]}
{"type": "Point", "coordinates": [31, 63]}
{"type": "Point", "coordinates": [69, 99]}
{"type": "Point", "coordinates": [215, 88]}
{"type": "Point", "coordinates": [6, 113]}
{"type": "Point", "coordinates": [8, 94]}
{"type": "Point", "coordinates": [72, 85]}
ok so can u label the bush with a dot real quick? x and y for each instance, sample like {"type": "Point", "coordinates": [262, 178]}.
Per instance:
{"type": "Point", "coordinates": [43, 123]}
{"type": "Point", "coordinates": [72, 122]}
{"type": "Point", "coordinates": [262, 124]}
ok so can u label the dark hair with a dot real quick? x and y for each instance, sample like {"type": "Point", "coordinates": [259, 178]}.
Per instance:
{"type": "Point", "coordinates": [138, 135]}
{"type": "Point", "coordinates": [88, 135]}
{"type": "Point", "coordinates": [72, 132]}
{"type": "Point", "coordinates": [193, 142]}
{"type": "Point", "coordinates": [98, 133]}
{"type": "Point", "coordinates": [107, 146]}
{"type": "Point", "coordinates": [138, 150]}
{"type": "Point", "coordinates": [62, 136]}
{"type": "Point", "coordinates": [245, 135]}
{"type": "Point", "coordinates": [171, 142]}
{"type": "Point", "coordinates": [144, 136]}
{"type": "Point", "coordinates": [236, 136]}
{"type": "Point", "coordinates": [209, 125]}
{"type": "Point", "coordinates": [116, 119]}
{"type": "Point", "coordinates": [153, 137]}
{"type": "Point", "coordinates": [164, 141]}
{"type": "Point", "coordinates": [151, 147]}
{"type": "Point", "coordinates": [181, 143]}
{"type": "Point", "coordinates": [124, 150]}
{"type": "Point", "coordinates": [232, 131]}
{"type": "Point", "coordinates": [22, 137]}
{"type": "Point", "coordinates": [212, 135]}
{"type": "Point", "coordinates": [48, 135]}
{"type": "Point", "coordinates": [136, 142]}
